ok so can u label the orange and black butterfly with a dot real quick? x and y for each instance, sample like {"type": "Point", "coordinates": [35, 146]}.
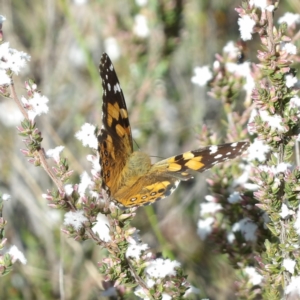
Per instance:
{"type": "Point", "coordinates": [128, 176]}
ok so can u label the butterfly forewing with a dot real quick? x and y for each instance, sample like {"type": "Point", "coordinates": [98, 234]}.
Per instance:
{"type": "Point", "coordinates": [114, 140]}
{"type": "Point", "coordinates": [203, 159]}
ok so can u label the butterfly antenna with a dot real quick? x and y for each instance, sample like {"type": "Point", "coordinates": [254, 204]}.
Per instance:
{"type": "Point", "coordinates": [136, 144]}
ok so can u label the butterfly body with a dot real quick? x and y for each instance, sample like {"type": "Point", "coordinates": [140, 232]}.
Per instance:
{"type": "Point", "coordinates": [128, 176]}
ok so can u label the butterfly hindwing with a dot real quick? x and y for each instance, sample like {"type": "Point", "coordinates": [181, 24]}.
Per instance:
{"type": "Point", "coordinates": [114, 140]}
{"type": "Point", "coordinates": [147, 190]}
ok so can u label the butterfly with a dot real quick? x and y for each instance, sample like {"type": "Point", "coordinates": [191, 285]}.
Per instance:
{"type": "Point", "coordinates": [128, 176]}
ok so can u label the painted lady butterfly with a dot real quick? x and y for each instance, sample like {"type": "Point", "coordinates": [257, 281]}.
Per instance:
{"type": "Point", "coordinates": [127, 175]}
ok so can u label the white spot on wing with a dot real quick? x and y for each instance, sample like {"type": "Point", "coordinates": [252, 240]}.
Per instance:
{"type": "Point", "coordinates": [111, 67]}
{"type": "Point", "coordinates": [108, 86]}
{"type": "Point", "coordinates": [233, 145]}
{"type": "Point", "coordinates": [117, 88]}
{"type": "Point", "coordinates": [218, 156]}
{"type": "Point", "coordinates": [213, 149]}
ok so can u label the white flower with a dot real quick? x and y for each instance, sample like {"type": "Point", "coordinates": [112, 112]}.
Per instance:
{"type": "Point", "coordinates": [230, 237]}
{"type": "Point", "coordinates": [216, 65]}
{"type": "Point", "coordinates": [231, 50]}
{"type": "Point", "coordinates": [250, 84]}
{"type": "Point", "coordinates": [140, 27]}
{"type": "Point", "coordinates": [36, 105]}
{"type": "Point", "coordinates": [75, 219]}
{"type": "Point", "coordinates": [160, 268]}
{"type": "Point", "coordinates": [94, 159]}
{"type": "Point", "coordinates": [294, 286]}
{"type": "Point", "coordinates": [135, 250]}
{"type": "Point", "coordinates": [230, 47]}
{"type": "Point", "coordinates": [289, 18]}
{"type": "Point", "coordinates": [243, 70]}
{"type": "Point", "coordinates": [246, 25]}
{"type": "Point", "coordinates": [283, 167]}
{"type": "Point", "coordinates": [69, 189]}
{"type": "Point", "coordinates": [141, 2]}
{"type": "Point", "coordinates": [166, 296]}
{"type": "Point", "coordinates": [191, 290]}
{"type": "Point", "coordinates": [139, 291]}
{"type": "Point", "coordinates": [253, 114]}
{"type": "Point", "coordinates": [285, 211]}
{"type": "Point", "coordinates": [247, 229]}
{"type": "Point", "coordinates": [112, 48]}
{"type": "Point", "coordinates": [270, 8]}
{"type": "Point", "coordinates": [17, 60]}
{"type": "Point", "coordinates": [4, 78]}
{"type": "Point", "coordinates": [239, 69]}
{"type": "Point", "coordinates": [16, 254]}
{"type": "Point", "coordinates": [210, 198]}
{"type": "Point", "coordinates": [87, 135]}
{"type": "Point", "coordinates": [268, 169]}
{"type": "Point", "coordinates": [275, 121]}
{"type": "Point", "coordinates": [209, 208]}
{"type": "Point", "coordinates": [289, 265]}
{"type": "Point", "coordinates": [202, 75]}
{"type": "Point", "coordinates": [262, 4]}
{"type": "Point", "coordinates": [289, 48]}
{"type": "Point", "coordinates": [150, 282]}
{"type": "Point", "coordinates": [251, 186]}
{"type": "Point", "coordinates": [12, 59]}
{"type": "Point", "coordinates": [85, 182]}
{"type": "Point", "coordinates": [6, 197]}
{"type": "Point", "coordinates": [258, 150]}
{"type": "Point", "coordinates": [254, 277]}
{"type": "Point", "coordinates": [235, 197]}
{"type": "Point", "coordinates": [55, 153]}
{"type": "Point", "coordinates": [295, 102]}
{"type": "Point", "coordinates": [102, 228]}
{"type": "Point", "coordinates": [290, 80]}
{"type": "Point", "coordinates": [205, 227]}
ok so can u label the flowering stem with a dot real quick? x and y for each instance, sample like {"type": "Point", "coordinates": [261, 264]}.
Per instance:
{"type": "Point", "coordinates": [16, 99]}
{"type": "Point", "coordinates": [139, 280]}
{"type": "Point", "coordinates": [271, 45]}
{"type": "Point", "coordinates": [40, 152]}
